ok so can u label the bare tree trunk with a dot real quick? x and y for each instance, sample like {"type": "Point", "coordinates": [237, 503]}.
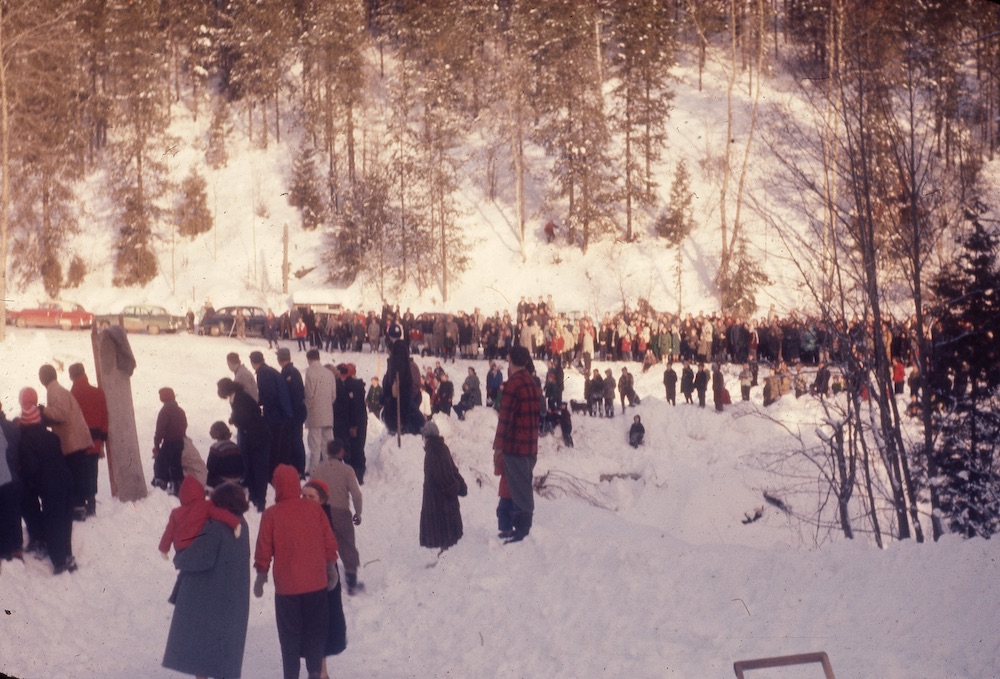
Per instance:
{"type": "Point", "coordinates": [5, 180]}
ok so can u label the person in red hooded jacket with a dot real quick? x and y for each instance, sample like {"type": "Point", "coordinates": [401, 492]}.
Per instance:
{"type": "Point", "coordinates": [295, 533]}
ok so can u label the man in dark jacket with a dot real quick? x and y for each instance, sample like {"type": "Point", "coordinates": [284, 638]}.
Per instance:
{"type": "Point", "coordinates": [276, 407]}
{"type": "Point", "coordinates": [594, 392]}
{"type": "Point", "coordinates": [254, 439]}
{"type": "Point", "coordinates": [350, 418]}
{"type": "Point", "coordinates": [718, 387]}
{"type": "Point", "coordinates": [168, 443]}
{"type": "Point", "coordinates": [609, 393]}
{"type": "Point", "coordinates": [670, 384]}
{"type": "Point", "coordinates": [297, 398]}
{"type": "Point", "coordinates": [626, 389]}
{"type": "Point", "coordinates": [701, 384]}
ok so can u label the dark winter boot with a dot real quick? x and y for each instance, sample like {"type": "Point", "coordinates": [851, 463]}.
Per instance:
{"type": "Point", "coordinates": [522, 526]}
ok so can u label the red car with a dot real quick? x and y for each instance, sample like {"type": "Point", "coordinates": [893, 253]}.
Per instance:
{"type": "Point", "coordinates": [65, 315]}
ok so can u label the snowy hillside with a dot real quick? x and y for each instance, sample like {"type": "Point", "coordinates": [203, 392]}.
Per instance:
{"type": "Point", "coordinates": [239, 261]}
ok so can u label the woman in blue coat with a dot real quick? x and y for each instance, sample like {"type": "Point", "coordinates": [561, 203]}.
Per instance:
{"type": "Point", "coordinates": [211, 599]}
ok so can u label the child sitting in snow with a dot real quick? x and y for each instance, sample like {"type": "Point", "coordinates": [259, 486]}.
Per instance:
{"type": "Point", "coordinates": [187, 521]}
{"type": "Point", "coordinates": [636, 433]}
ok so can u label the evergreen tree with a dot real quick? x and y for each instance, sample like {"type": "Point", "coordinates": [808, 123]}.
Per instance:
{"type": "Point", "coordinates": [193, 216]}
{"type": "Point", "coordinates": [219, 129]}
{"type": "Point", "coordinates": [573, 126]}
{"type": "Point", "coordinates": [137, 173]}
{"type": "Point", "coordinates": [257, 41]}
{"type": "Point", "coordinates": [46, 151]}
{"type": "Point", "coordinates": [303, 193]}
{"type": "Point", "coordinates": [335, 85]}
{"type": "Point", "coordinates": [675, 223]}
{"type": "Point", "coordinates": [965, 372]}
{"type": "Point", "coordinates": [641, 55]}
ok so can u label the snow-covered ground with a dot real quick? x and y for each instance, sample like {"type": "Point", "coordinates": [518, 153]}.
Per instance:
{"type": "Point", "coordinates": [649, 574]}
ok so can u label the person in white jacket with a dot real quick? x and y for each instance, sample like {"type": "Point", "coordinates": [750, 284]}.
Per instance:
{"type": "Point", "coordinates": [321, 390]}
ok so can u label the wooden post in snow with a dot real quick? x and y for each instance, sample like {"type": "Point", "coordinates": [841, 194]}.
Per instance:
{"type": "Point", "coordinates": [114, 364]}
{"type": "Point", "coordinates": [284, 262]}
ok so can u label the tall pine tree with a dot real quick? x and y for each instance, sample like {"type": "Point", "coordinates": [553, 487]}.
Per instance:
{"type": "Point", "coordinates": [965, 371]}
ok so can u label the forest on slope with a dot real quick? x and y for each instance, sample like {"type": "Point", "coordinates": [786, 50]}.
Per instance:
{"type": "Point", "coordinates": [896, 114]}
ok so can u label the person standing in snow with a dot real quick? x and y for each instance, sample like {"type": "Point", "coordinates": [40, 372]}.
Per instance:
{"type": "Point", "coordinates": [440, 513]}
{"type": "Point", "coordinates": [275, 405]}
{"type": "Point", "coordinates": [94, 407]}
{"type": "Point", "coordinates": [687, 382]}
{"type": "Point", "coordinates": [225, 459]}
{"type": "Point", "coordinates": [494, 378]}
{"type": "Point", "coordinates": [295, 534]}
{"type": "Point", "coordinates": [746, 381]}
{"type": "Point", "coordinates": [253, 437]}
{"type": "Point", "coordinates": [718, 387]}
{"type": "Point", "coordinates": [350, 418]}
{"type": "Point", "coordinates": [342, 489]}
{"type": "Point", "coordinates": [670, 383]}
{"type": "Point", "coordinates": [320, 393]}
{"type": "Point", "coordinates": [336, 630]}
{"type": "Point", "coordinates": [168, 443]}
{"type": "Point", "coordinates": [47, 480]}
{"type": "Point", "coordinates": [11, 534]}
{"type": "Point", "coordinates": [516, 438]}
{"type": "Point", "coordinates": [242, 375]}
{"type": "Point", "coordinates": [297, 397]}
{"type": "Point", "coordinates": [626, 389]}
{"type": "Point", "coordinates": [63, 416]}
{"type": "Point", "coordinates": [211, 598]}
{"type": "Point", "coordinates": [701, 384]}
{"type": "Point", "coordinates": [609, 394]}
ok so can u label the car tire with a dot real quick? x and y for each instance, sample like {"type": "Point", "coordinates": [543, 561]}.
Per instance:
{"type": "Point", "coordinates": [153, 330]}
{"type": "Point", "coordinates": [215, 331]}
{"type": "Point", "coordinates": [21, 323]}
{"type": "Point", "coordinates": [65, 325]}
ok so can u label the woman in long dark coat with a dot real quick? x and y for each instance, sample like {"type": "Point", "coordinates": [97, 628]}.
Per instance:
{"type": "Point", "coordinates": [211, 600]}
{"type": "Point", "coordinates": [440, 515]}
{"type": "Point", "coordinates": [336, 630]}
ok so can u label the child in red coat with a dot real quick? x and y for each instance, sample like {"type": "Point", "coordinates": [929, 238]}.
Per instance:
{"type": "Point", "coordinates": [187, 521]}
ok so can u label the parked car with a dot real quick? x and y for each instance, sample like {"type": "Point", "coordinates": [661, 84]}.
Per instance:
{"type": "Point", "coordinates": [143, 318]}
{"type": "Point", "coordinates": [55, 314]}
{"type": "Point", "coordinates": [222, 321]}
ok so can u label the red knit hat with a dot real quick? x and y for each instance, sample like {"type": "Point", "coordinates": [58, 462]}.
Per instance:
{"type": "Point", "coordinates": [28, 398]}
{"type": "Point", "coordinates": [166, 394]}
{"type": "Point", "coordinates": [324, 490]}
